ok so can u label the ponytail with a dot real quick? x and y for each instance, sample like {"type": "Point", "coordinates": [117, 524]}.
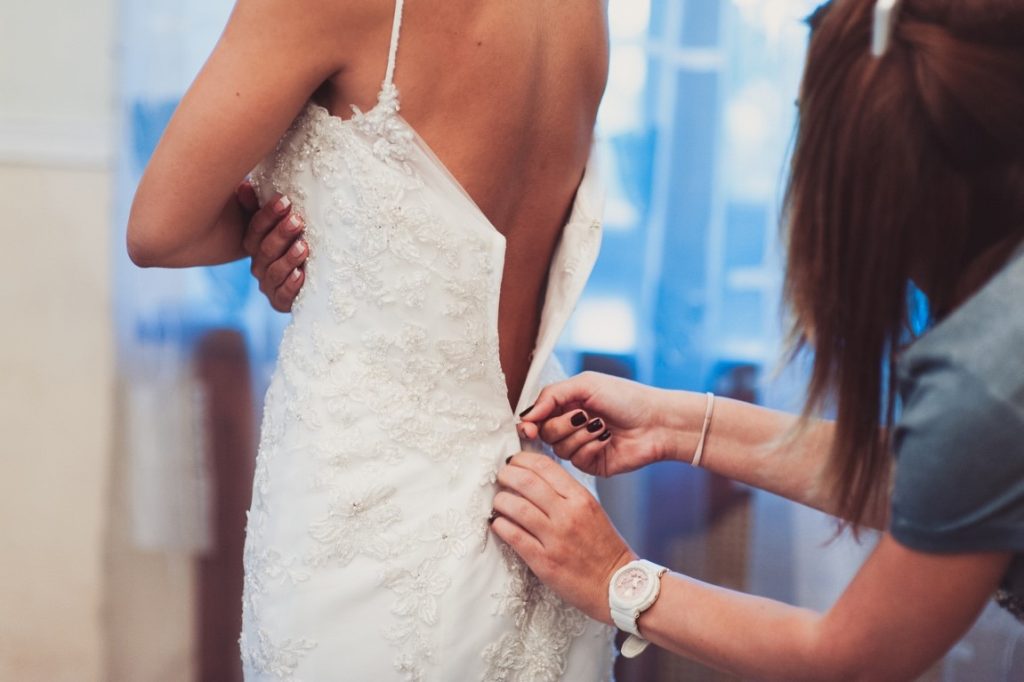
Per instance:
{"type": "Point", "coordinates": [905, 169]}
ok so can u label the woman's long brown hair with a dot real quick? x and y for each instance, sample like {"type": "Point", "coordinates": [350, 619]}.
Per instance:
{"type": "Point", "coordinates": [906, 168]}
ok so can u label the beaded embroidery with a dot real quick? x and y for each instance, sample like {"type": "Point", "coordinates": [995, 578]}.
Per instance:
{"type": "Point", "coordinates": [370, 229]}
{"type": "Point", "coordinates": [398, 309]}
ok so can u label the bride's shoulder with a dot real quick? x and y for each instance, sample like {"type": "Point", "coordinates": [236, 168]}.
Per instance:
{"type": "Point", "coordinates": [339, 17]}
{"type": "Point", "coordinates": [351, 10]}
{"type": "Point", "coordinates": [335, 26]}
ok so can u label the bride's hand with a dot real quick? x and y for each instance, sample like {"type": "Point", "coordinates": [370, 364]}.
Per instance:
{"type": "Point", "coordinates": [606, 426]}
{"type": "Point", "coordinates": [274, 240]}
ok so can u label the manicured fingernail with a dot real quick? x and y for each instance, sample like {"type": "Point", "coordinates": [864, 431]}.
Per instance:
{"type": "Point", "coordinates": [492, 517]}
{"type": "Point", "coordinates": [605, 436]}
{"type": "Point", "coordinates": [295, 274]}
{"type": "Point", "coordinates": [298, 248]}
{"type": "Point", "coordinates": [508, 460]}
{"type": "Point", "coordinates": [595, 426]}
{"type": "Point", "coordinates": [527, 410]}
{"type": "Point", "coordinates": [578, 419]}
{"type": "Point", "coordinates": [282, 204]}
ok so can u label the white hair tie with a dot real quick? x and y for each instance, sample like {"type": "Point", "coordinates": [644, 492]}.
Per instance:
{"type": "Point", "coordinates": [885, 22]}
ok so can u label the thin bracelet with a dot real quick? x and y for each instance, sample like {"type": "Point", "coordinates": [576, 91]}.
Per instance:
{"type": "Point", "coordinates": [699, 452]}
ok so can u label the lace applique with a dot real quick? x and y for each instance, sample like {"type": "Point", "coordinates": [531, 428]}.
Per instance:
{"type": "Point", "coordinates": [416, 610]}
{"type": "Point", "coordinates": [407, 368]}
{"type": "Point", "coordinates": [279, 659]}
{"type": "Point", "coordinates": [265, 568]}
{"type": "Point", "coordinates": [382, 262]}
{"type": "Point", "coordinates": [419, 591]}
{"type": "Point", "coordinates": [356, 523]}
{"type": "Point", "coordinates": [338, 457]}
{"type": "Point", "coordinates": [471, 357]}
{"type": "Point", "coordinates": [537, 651]}
{"type": "Point", "coordinates": [392, 137]}
{"type": "Point", "coordinates": [448, 533]}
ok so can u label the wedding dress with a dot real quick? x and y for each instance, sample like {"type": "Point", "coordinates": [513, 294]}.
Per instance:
{"type": "Point", "coordinates": [368, 553]}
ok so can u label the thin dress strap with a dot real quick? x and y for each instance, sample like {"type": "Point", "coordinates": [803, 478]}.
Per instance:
{"type": "Point", "coordinates": [389, 77]}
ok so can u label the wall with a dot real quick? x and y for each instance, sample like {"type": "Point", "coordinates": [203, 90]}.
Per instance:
{"type": "Point", "coordinates": [56, 418]}
{"type": "Point", "coordinates": [58, 543]}
{"type": "Point", "coordinates": [56, 364]}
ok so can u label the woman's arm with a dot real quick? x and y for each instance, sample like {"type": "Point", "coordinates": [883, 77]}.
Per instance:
{"type": "Point", "coordinates": [902, 611]}
{"type": "Point", "coordinates": [766, 449]}
{"type": "Point", "coordinates": [271, 57]}
{"type": "Point", "coordinates": [745, 442]}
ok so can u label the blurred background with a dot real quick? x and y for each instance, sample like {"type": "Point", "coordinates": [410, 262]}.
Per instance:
{"type": "Point", "coordinates": [129, 400]}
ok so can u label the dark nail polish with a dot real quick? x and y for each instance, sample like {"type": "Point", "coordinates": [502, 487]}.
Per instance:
{"type": "Point", "coordinates": [492, 517]}
{"type": "Point", "coordinates": [578, 419]}
{"type": "Point", "coordinates": [605, 436]}
{"type": "Point", "coordinates": [595, 426]}
{"type": "Point", "coordinates": [508, 460]}
{"type": "Point", "coordinates": [527, 410]}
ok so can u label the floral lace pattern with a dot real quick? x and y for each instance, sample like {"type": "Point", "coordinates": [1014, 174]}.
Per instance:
{"type": "Point", "coordinates": [357, 522]}
{"type": "Point", "coordinates": [262, 653]}
{"type": "Point", "coordinates": [390, 364]}
{"type": "Point", "coordinates": [279, 659]}
{"type": "Point", "coordinates": [544, 626]}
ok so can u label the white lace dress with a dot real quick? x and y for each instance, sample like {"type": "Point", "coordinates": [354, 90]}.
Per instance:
{"type": "Point", "coordinates": [368, 554]}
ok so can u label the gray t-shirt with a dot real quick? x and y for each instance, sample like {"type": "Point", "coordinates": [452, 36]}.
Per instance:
{"type": "Point", "coordinates": [959, 440]}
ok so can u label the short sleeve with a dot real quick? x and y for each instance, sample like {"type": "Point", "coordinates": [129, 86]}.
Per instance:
{"type": "Point", "coordinates": [959, 447]}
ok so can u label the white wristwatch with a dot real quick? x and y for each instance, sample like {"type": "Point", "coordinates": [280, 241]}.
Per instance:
{"type": "Point", "coordinates": [633, 589]}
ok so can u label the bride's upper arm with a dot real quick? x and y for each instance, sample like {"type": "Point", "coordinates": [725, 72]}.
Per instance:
{"type": "Point", "coordinates": [272, 56]}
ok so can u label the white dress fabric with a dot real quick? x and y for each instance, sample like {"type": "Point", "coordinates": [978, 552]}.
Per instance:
{"type": "Point", "coordinates": [368, 553]}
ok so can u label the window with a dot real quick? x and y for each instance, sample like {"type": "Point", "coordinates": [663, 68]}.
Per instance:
{"type": "Point", "coordinates": [695, 129]}
{"type": "Point", "coordinates": [694, 133]}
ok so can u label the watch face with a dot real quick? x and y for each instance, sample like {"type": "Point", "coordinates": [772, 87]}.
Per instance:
{"type": "Point", "coordinates": [632, 585]}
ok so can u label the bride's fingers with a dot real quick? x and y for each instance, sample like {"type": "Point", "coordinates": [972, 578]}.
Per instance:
{"type": "Point", "coordinates": [559, 428]}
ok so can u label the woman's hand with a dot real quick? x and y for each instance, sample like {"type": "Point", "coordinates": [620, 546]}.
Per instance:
{"type": "Point", "coordinates": [560, 531]}
{"type": "Point", "coordinates": [607, 426]}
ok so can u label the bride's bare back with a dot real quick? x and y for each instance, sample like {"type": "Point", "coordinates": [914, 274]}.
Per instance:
{"type": "Point", "coordinates": [506, 94]}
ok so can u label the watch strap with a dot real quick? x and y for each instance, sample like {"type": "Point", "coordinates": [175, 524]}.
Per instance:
{"type": "Point", "coordinates": [625, 620]}
{"type": "Point", "coordinates": [634, 646]}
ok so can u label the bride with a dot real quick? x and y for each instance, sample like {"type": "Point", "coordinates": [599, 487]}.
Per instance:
{"type": "Point", "coordinates": [447, 245]}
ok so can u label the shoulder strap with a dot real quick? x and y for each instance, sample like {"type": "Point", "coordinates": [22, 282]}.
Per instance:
{"type": "Point", "coordinates": [389, 77]}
